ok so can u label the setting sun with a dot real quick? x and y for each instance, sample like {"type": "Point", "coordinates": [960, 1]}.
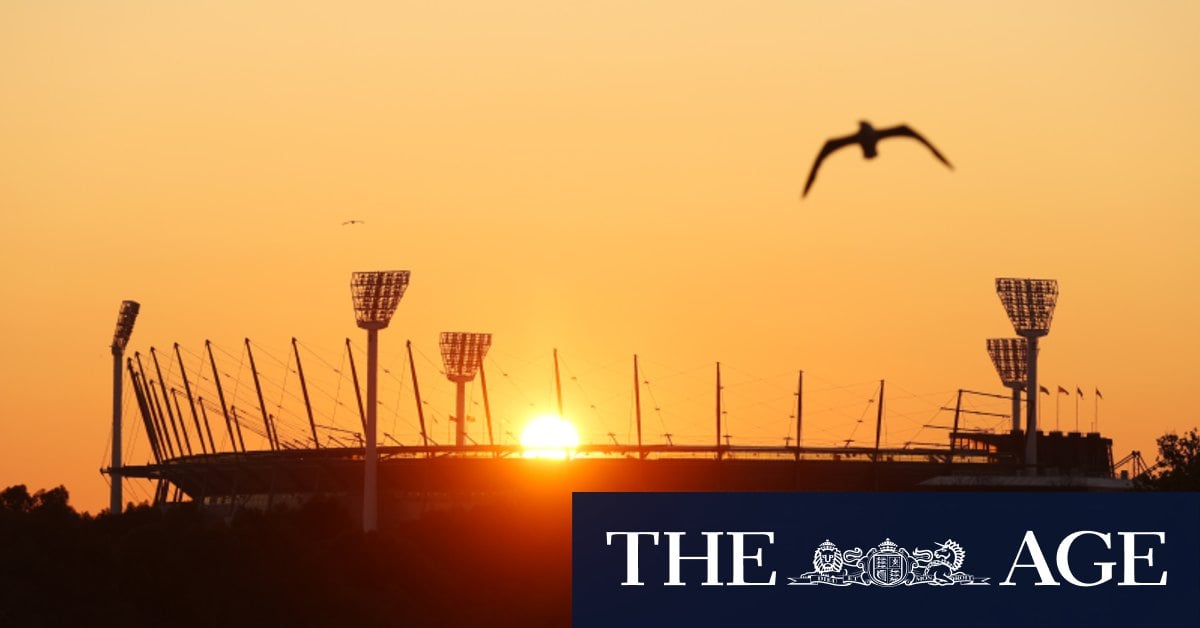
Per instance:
{"type": "Point", "coordinates": [549, 436]}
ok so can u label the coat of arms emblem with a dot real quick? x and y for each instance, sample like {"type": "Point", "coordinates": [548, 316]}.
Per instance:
{"type": "Point", "coordinates": [888, 565]}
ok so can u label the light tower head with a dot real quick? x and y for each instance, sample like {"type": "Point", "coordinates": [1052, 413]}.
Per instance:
{"type": "Point", "coordinates": [462, 353]}
{"type": "Point", "coordinates": [376, 295]}
{"type": "Point", "coordinates": [125, 319]}
{"type": "Point", "coordinates": [1010, 357]}
{"type": "Point", "coordinates": [1029, 303]}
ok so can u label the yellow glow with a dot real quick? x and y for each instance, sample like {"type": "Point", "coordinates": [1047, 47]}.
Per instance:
{"type": "Point", "coordinates": [549, 436]}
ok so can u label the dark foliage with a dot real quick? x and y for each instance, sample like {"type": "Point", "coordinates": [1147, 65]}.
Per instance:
{"type": "Point", "coordinates": [500, 563]}
{"type": "Point", "coordinates": [1178, 465]}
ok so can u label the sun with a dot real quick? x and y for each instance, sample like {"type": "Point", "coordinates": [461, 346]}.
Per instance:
{"type": "Point", "coordinates": [549, 436]}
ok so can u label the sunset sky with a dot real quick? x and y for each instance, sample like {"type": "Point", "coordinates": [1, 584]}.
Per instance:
{"type": "Point", "coordinates": [605, 178]}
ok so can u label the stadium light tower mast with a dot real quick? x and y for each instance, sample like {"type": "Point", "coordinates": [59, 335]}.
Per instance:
{"type": "Point", "coordinates": [462, 354]}
{"type": "Point", "coordinates": [125, 318]}
{"type": "Point", "coordinates": [376, 295]}
{"type": "Point", "coordinates": [1010, 357]}
{"type": "Point", "coordinates": [1030, 306]}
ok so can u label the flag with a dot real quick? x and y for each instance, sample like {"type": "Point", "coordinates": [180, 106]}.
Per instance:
{"type": "Point", "coordinates": [1098, 395]}
{"type": "Point", "coordinates": [1063, 391]}
{"type": "Point", "coordinates": [1079, 391]}
{"type": "Point", "coordinates": [1045, 391]}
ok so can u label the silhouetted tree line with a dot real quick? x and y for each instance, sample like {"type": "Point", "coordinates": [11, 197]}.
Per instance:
{"type": "Point", "coordinates": [1178, 464]}
{"type": "Point", "coordinates": [501, 564]}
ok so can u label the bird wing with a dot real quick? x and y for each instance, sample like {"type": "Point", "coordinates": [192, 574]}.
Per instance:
{"type": "Point", "coordinates": [829, 147]}
{"type": "Point", "coordinates": [906, 131]}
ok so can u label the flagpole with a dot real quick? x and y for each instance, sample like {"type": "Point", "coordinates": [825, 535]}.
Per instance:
{"type": "Point", "coordinates": [1041, 391]}
{"type": "Point", "coordinates": [1077, 396]}
{"type": "Point", "coordinates": [1057, 405]}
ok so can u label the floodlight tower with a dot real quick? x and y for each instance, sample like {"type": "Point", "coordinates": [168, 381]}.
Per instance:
{"type": "Point", "coordinates": [462, 354]}
{"type": "Point", "coordinates": [125, 318]}
{"type": "Point", "coordinates": [376, 295]}
{"type": "Point", "coordinates": [1010, 357]}
{"type": "Point", "coordinates": [1030, 307]}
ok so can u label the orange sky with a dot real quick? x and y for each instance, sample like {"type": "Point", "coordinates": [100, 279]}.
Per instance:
{"type": "Point", "coordinates": [616, 178]}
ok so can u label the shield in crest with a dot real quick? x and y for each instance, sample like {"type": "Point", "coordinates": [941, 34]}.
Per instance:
{"type": "Point", "coordinates": [888, 568]}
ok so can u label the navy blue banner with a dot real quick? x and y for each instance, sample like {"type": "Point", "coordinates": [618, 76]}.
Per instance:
{"type": "Point", "coordinates": [886, 559]}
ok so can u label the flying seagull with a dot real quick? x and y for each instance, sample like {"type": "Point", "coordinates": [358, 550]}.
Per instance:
{"type": "Point", "coordinates": [354, 222]}
{"type": "Point", "coordinates": [868, 137]}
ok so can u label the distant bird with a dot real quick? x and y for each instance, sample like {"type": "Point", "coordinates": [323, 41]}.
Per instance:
{"type": "Point", "coordinates": [354, 222]}
{"type": "Point", "coordinates": [868, 137]}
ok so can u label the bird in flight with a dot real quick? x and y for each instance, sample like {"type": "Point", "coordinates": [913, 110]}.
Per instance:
{"type": "Point", "coordinates": [354, 222]}
{"type": "Point", "coordinates": [868, 137]}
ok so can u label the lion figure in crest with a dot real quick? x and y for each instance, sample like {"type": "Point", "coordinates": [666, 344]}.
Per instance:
{"type": "Point", "coordinates": [830, 562]}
